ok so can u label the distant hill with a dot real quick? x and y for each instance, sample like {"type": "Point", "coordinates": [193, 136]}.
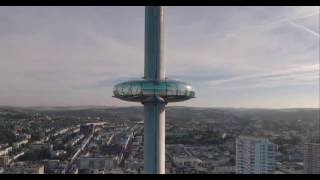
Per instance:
{"type": "Point", "coordinates": [180, 113]}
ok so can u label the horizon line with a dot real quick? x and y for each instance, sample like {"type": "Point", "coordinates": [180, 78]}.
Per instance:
{"type": "Point", "coordinates": [110, 106]}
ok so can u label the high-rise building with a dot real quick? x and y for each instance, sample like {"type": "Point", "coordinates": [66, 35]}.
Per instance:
{"type": "Point", "coordinates": [312, 158]}
{"type": "Point", "coordinates": [255, 155]}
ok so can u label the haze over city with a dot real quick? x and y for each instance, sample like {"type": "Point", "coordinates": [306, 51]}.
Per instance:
{"type": "Point", "coordinates": [262, 57]}
{"type": "Point", "coordinates": [212, 90]}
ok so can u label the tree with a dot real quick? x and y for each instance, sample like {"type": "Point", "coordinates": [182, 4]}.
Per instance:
{"type": "Point", "coordinates": [7, 136]}
{"type": "Point", "coordinates": [36, 155]}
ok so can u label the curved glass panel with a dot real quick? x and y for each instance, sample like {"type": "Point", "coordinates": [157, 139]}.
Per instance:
{"type": "Point", "coordinates": [169, 90]}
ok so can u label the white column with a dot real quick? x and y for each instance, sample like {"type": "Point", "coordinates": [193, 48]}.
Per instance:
{"type": "Point", "coordinates": [154, 138]}
{"type": "Point", "coordinates": [154, 108]}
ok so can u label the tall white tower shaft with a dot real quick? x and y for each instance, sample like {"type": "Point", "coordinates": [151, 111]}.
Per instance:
{"type": "Point", "coordinates": [154, 107]}
{"type": "Point", "coordinates": [154, 91]}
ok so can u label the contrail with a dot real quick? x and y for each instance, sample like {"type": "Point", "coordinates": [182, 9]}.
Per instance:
{"type": "Point", "coordinates": [277, 22]}
{"type": "Point", "coordinates": [305, 16]}
{"type": "Point", "coordinates": [303, 28]}
{"type": "Point", "coordinates": [273, 74]}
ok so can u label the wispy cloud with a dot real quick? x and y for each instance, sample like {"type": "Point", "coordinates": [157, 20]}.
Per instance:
{"type": "Point", "coordinates": [297, 75]}
{"type": "Point", "coordinates": [277, 22]}
{"type": "Point", "coordinates": [74, 55]}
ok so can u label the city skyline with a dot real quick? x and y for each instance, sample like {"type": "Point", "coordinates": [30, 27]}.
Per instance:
{"type": "Point", "coordinates": [263, 57]}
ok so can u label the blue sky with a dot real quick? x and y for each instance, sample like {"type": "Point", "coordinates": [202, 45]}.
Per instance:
{"type": "Point", "coordinates": [265, 57]}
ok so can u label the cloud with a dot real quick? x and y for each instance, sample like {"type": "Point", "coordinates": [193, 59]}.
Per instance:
{"type": "Point", "coordinates": [74, 55]}
{"type": "Point", "coordinates": [277, 22]}
{"type": "Point", "coordinates": [300, 72]}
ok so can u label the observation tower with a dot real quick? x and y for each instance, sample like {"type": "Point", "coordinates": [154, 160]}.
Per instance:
{"type": "Point", "coordinates": [154, 91]}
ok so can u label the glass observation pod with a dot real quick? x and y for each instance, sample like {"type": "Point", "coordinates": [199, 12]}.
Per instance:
{"type": "Point", "coordinates": [140, 90]}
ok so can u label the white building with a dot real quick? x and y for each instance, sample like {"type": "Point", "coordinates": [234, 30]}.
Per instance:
{"type": "Point", "coordinates": [255, 155]}
{"type": "Point", "coordinates": [5, 151]}
{"type": "Point", "coordinates": [20, 143]}
{"type": "Point", "coordinates": [26, 168]}
{"type": "Point", "coordinates": [312, 158]}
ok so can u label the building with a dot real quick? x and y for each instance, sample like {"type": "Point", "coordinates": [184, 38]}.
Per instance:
{"type": "Point", "coordinates": [4, 160]}
{"type": "Point", "coordinates": [224, 170]}
{"type": "Point", "coordinates": [96, 163]}
{"type": "Point", "coordinates": [5, 150]}
{"type": "Point", "coordinates": [20, 143]}
{"type": "Point", "coordinates": [255, 155]}
{"type": "Point", "coordinates": [187, 161]}
{"type": "Point", "coordinates": [87, 129]}
{"type": "Point", "coordinates": [312, 158]}
{"type": "Point", "coordinates": [39, 146]}
{"type": "Point", "coordinates": [25, 168]}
